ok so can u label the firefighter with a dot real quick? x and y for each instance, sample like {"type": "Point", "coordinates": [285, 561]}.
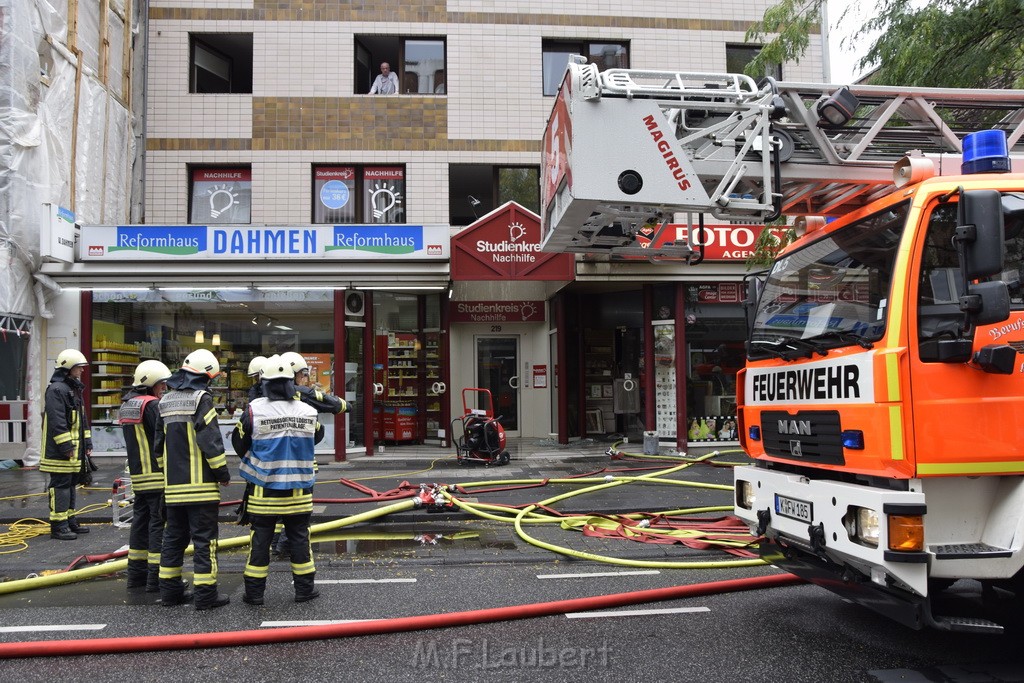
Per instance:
{"type": "Point", "coordinates": [67, 442]}
{"type": "Point", "coordinates": [319, 401]}
{"type": "Point", "coordinates": [144, 440]}
{"type": "Point", "coordinates": [275, 438]}
{"type": "Point", "coordinates": [194, 463]}
{"type": "Point", "coordinates": [255, 366]}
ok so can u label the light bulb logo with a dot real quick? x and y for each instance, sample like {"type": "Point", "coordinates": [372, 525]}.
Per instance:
{"type": "Point", "coordinates": [222, 199]}
{"type": "Point", "coordinates": [528, 311]}
{"type": "Point", "coordinates": [383, 198]}
{"type": "Point", "coordinates": [515, 231]}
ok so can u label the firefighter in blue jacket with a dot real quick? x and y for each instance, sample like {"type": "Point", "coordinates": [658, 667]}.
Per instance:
{"type": "Point", "coordinates": [194, 465]}
{"type": "Point", "coordinates": [276, 438]}
{"type": "Point", "coordinates": [67, 442]}
{"type": "Point", "coordinates": [144, 440]}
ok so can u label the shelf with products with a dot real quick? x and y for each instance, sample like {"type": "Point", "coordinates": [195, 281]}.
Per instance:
{"type": "Point", "coordinates": [599, 374]}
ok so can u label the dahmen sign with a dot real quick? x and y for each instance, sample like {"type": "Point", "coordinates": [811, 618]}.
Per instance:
{"type": "Point", "coordinates": [505, 244]}
{"type": "Point", "coordinates": [497, 312]}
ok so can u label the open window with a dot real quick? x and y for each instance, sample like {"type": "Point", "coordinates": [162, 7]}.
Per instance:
{"type": "Point", "coordinates": [417, 62]}
{"type": "Point", "coordinates": [220, 63]}
{"type": "Point", "coordinates": [477, 189]}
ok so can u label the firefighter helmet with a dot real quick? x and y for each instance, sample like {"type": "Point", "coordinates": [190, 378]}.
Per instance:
{"type": "Point", "coordinates": [202, 362]}
{"type": "Point", "coordinates": [70, 358]}
{"type": "Point", "coordinates": [256, 366]}
{"type": "Point", "coordinates": [277, 367]}
{"type": "Point", "coordinates": [296, 360]}
{"type": "Point", "coordinates": [150, 373]}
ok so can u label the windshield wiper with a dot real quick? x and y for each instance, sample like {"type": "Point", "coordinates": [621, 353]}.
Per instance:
{"type": "Point", "coordinates": [771, 347]}
{"type": "Point", "coordinates": [844, 336]}
{"type": "Point", "coordinates": [811, 347]}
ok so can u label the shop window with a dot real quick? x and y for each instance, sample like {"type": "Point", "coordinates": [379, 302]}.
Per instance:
{"type": "Point", "coordinates": [235, 324]}
{"type": "Point", "coordinates": [738, 56]}
{"type": "Point", "coordinates": [220, 63]}
{"type": "Point", "coordinates": [418, 63]}
{"type": "Point", "coordinates": [555, 57]}
{"type": "Point", "coordinates": [220, 195]}
{"type": "Point", "coordinates": [477, 189]}
{"type": "Point", "coordinates": [350, 194]}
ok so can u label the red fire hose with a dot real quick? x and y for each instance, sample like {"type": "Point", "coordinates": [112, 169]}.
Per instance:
{"type": "Point", "coordinates": [428, 621]}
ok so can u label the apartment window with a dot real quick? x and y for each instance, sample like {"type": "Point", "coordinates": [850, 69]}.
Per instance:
{"type": "Point", "coordinates": [220, 63]}
{"type": "Point", "coordinates": [478, 189]}
{"type": "Point", "coordinates": [350, 194]}
{"type": "Point", "coordinates": [738, 56]}
{"type": "Point", "coordinates": [220, 195]}
{"type": "Point", "coordinates": [418, 62]}
{"type": "Point", "coordinates": [556, 57]}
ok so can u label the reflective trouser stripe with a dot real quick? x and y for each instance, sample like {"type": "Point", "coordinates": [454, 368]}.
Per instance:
{"type": "Point", "coordinates": [256, 572]}
{"type": "Point", "coordinates": [153, 559]}
{"type": "Point", "coordinates": [139, 554]}
{"type": "Point", "coordinates": [304, 568]}
{"type": "Point", "coordinates": [170, 572]}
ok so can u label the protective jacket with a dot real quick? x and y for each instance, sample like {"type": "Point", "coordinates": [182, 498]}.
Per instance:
{"type": "Point", "coordinates": [66, 434]}
{"type": "Point", "coordinates": [194, 459]}
{"type": "Point", "coordinates": [318, 400]}
{"type": "Point", "coordinates": [255, 391]}
{"type": "Point", "coordinates": [275, 438]}
{"type": "Point", "coordinates": [144, 439]}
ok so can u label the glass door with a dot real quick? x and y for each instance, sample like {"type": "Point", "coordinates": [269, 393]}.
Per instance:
{"type": "Point", "coordinates": [497, 363]}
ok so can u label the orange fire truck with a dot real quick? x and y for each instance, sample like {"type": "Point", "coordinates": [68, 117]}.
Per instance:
{"type": "Point", "coordinates": [882, 398]}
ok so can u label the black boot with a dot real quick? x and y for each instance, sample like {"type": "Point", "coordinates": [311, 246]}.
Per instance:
{"type": "Point", "coordinates": [172, 592]}
{"type": "Point", "coordinates": [76, 527]}
{"type": "Point", "coordinates": [153, 581]}
{"type": "Point", "coordinates": [62, 532]}
{"type": "Point", "coordinates": [254, 589]}
{"type": "Point", "coordinates": [218, 601]}
{"type": "Point", "coordinates": [304, 588]}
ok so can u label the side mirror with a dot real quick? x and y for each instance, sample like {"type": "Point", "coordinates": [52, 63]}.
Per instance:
{"type": "Point", "coordinates": [981, 231]}
{"type": "Point", "coordinates": [755, 286]}
{"type": "Point", "coordinates": [987, 303]}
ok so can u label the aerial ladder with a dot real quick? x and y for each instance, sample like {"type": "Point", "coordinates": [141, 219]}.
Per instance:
{"type": "Point", "coordinates": [627, 150]}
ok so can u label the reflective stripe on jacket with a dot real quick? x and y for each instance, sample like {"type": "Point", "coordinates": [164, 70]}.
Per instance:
{"type": "Point", "coordinates": [194, 459]}
{"type": "Point", "coordinates": [144, 440]}
{"type": "Point", "coordinates": [282, 436]}
{"type": "Point", "coordinates": [66, 434]}
{"type": "Point", "coordinates": [264, 501]}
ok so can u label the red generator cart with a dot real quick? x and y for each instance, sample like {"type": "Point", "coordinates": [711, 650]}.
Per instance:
{"type": "Point", "coordinates": [482, 439]}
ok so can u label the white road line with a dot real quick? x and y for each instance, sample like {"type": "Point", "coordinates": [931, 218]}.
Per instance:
{"type": "Point", "coordinates": [279, 624]}
{"type": "Point", "coordinates": [320, 581]}
{"type": "Point", "coordinates": [586, 576]}
{"type": "Point", "coordinates": [52, 627]}
{"type": "Point", "coordinates": [635, 612]}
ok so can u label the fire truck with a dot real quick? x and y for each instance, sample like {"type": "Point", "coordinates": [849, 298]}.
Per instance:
{"type": "Point", "coordinates": [882, 398]}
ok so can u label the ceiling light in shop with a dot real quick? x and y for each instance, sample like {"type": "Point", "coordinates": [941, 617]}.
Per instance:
{"type": "Point", "coordinates": [254, 319]}
{"type": "Point", "coordinates": [200, 338]}
{"type": "Point", "coordinates": [284, 327]}
{"type": "Point", "coordinates": [216, 339]}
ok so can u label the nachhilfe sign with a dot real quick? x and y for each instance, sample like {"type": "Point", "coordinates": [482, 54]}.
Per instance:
{"type": "Point", "coordinates": [248, 242]}
{"type": "Point", "coordinates": [842, 380]}
{"type": "Point", "coordinates": [515, 249]}
{"type": "Point", "coordinates": [497, 312]}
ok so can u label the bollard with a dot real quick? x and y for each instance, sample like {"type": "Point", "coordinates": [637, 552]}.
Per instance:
{"type": "Point", "coordinates": [651, 445]}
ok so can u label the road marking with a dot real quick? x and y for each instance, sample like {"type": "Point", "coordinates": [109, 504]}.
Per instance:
{"type": "Point", "coordinates": [319, 581]}
{"type": "Point", "coordinates": [586, 576]}
{"type": "Point", "coordinates": [635, 612]}
{"type": "Point", "coordinates": [52, 627]}
{"type": "Point", "coordinates": [279, 624]}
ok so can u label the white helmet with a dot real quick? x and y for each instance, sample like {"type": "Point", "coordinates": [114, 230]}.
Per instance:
{"type": "Point", "coordinates": [150, 373]}
{"type": "Point", "coordinates": [202, 362]}
{"type": "Point", "coordinates": [70, 358]}
{"type": "Point", "coordinates": [256, 366]}
{"type": "Point", "coordinates": [296, 360]}
{"type": "Point", "coordinates": [277, 367]}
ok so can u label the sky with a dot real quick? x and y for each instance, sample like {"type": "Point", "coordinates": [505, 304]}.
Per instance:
{"type": "Point", "coordinates": [842, 60]}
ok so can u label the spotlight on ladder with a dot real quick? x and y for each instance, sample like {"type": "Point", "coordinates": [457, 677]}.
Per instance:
{"type": "Point", "coordinates": [836, 109]}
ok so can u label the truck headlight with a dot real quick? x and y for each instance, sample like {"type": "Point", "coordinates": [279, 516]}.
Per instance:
{"type": "Point", "coordinates": [745, 495]}
{"type": "Point", "coordinates": [862, 526]}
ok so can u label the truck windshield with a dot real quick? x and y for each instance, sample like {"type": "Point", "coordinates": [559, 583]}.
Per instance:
{"type": "Point", "coordinates": [833, 292]}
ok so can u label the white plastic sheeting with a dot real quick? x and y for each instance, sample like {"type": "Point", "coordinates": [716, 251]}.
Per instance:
{"type": "Point", "coordinates": [46, 157]}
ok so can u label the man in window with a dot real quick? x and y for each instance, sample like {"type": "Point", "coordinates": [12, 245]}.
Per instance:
{"type": "Point", "coordinates": [386, 83]}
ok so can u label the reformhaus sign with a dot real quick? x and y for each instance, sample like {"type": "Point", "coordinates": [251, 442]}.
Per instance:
{"type": "Point", "coordinates": [263, 242]}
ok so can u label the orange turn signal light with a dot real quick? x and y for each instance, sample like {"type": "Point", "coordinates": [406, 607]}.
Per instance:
{"type": "Point", "coordinates": [906, 533]}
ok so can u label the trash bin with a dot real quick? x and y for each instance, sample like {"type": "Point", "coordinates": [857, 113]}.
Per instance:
{"type": "Point", "coordinates": [651, 443]}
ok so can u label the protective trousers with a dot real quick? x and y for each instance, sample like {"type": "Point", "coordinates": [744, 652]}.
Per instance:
{"type": "Point", "coordinates": [197, 523]}
{"type": "Point", "coordinates": [258, 565]}
{"type": "Point", "coordinates": [62, 499]}
{"type": "Point", "coordinates": [146, 540]}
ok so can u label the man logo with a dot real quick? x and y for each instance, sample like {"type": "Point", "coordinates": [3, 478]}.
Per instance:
{"type": "Point", "coordinates": [795, 427]}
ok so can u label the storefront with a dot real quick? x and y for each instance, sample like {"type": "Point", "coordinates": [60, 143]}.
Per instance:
{"type": "Point", "coordinates": [330, 293]}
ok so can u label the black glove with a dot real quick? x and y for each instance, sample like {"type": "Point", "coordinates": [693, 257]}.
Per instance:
{"type": "Point", "coordinates": [85, 473]}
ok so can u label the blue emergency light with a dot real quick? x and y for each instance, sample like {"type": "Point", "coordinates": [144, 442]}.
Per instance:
{"type": "Point", "coordinates": [985, 152]}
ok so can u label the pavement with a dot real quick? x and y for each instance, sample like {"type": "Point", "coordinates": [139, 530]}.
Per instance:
{"type": "Point", "coordinates": [446, 537]}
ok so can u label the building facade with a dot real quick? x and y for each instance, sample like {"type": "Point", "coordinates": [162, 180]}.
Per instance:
{"type": "Point", "coordinates": [285, 207]}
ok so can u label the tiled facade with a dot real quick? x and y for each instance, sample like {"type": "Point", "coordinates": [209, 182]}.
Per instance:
{"type": "Point", "coordinates": [303, 111]}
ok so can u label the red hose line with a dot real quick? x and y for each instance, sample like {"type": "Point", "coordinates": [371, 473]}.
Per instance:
{"type": "Point", "coordinates": [96, 646]}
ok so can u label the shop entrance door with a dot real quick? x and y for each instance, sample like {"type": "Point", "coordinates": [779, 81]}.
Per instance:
{"type": "Point", "coordinates": [497, 363]}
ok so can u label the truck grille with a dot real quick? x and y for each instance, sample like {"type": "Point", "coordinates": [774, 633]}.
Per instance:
{"type": "Point", "coordinates": [813, 436]}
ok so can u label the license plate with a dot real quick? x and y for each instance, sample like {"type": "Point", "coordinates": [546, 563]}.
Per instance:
{"type": "Point", "coordinates": [793, 508]}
